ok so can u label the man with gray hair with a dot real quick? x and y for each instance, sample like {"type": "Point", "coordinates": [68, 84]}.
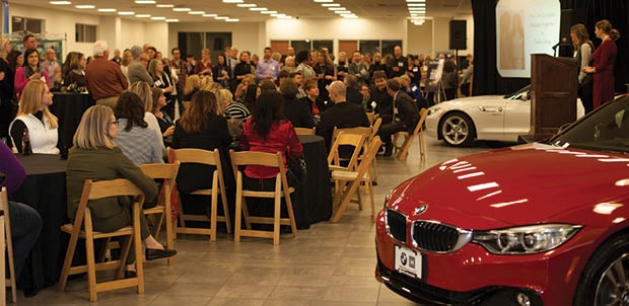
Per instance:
{"type": "Point", "coordinates": [137, 69]}
{"type": "Point", "coordinates": [341, 115]}
{"type": "Point", "coordinates": [104, 78]}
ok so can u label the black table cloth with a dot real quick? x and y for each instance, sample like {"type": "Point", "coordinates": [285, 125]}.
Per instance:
{"type": "Point", "coordinates": [69, 108]}
{"type": "Point", "coordinates": [317, 189]}
{"type": "Point", "coordinates": [45, 190]}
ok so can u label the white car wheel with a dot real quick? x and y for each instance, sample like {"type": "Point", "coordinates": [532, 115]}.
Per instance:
{"type": "Point", "coordinates": [457, 129]}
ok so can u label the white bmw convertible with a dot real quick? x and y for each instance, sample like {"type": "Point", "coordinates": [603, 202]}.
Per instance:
{"type": "Point", "coordinates": [502, 118]}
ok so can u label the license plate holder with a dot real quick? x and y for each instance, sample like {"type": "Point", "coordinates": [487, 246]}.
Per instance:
{"type": "Point", "coordinates": [408, 261]}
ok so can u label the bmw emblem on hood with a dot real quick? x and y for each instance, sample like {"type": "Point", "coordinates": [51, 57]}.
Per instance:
{"type": "Point", "coordinates": [420, 210]}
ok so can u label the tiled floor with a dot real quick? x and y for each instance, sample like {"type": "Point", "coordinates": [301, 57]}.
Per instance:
{"type": "Point", "coordinates": [329, 264]}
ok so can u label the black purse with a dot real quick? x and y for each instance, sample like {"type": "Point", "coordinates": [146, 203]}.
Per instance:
{"type": "Point", "coordinates": [298, 167]}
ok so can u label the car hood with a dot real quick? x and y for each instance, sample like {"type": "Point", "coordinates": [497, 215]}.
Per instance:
{"type": "Point", "coordinates": [526, 184]}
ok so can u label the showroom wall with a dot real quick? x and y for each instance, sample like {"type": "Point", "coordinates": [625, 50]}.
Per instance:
{"type": "Point", "coordinates": [254, 36]}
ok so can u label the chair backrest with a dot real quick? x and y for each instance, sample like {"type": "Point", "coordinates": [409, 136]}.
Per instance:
{"type": "Point", "coordinates": [368, 156]}
{"type": "Point", "coordinates": [375, 127]}
{"type": "Point", "coordinates": [423, 113]}
{"type": "Point", "coordinates": [167, 172]}
{"type": "Point", "coordinates": [371, 116]}
{"type": "Point", "coordinates": [346, 139]}
{"type": "Point", "coordinates": [198, 156]}
{"type": "Point", "coordinates": [105, 189]}
{"type": "Point", "coordinates": [305, 131]}
{"type": "Point", "coordinates": [246, 158]}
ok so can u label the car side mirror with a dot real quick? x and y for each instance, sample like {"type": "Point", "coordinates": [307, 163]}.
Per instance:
{"type": "Point", "coordinates": [524, 96]}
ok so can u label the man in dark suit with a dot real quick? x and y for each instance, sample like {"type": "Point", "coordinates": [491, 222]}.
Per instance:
{"type": "Point", "coordinates": [341, 115]}
{"type": "Point", "coordinates": [405, 115]}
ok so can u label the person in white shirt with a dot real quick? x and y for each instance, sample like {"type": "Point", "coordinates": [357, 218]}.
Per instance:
{"type": "Point", "coordinates": [35, 121]}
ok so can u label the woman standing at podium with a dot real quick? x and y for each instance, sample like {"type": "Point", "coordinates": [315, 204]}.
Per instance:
{"type": "Point", "coordinates": [583, 54]}
{"type": "Point", "coordinates": [603, 63]}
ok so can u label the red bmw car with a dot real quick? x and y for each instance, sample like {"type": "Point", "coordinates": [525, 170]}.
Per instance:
{"type": "Point", "coordinates": [536, 224]}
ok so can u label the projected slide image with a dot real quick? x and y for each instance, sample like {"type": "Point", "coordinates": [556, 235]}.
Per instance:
{"type": "Point", "coordinates": [524, 28]}
{"type": "Point", "coordinates": [511, 41]}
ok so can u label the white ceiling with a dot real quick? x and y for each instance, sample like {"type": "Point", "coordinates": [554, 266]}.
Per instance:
{"type": "Point", "coordinates": [295, 8]}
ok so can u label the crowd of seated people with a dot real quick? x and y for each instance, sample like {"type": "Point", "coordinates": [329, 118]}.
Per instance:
{"type": "Point", "coordinates": [234, 104]}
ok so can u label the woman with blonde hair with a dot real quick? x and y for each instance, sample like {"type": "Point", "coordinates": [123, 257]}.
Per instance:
{"type": "Point", "coordinates": [143, 90]}
{"type": "Point", "coordinates": [96, 157]}
{"type": "Point", "coordinates": [35, 124]}
{"type": "Point", "coordinates": [193, 84]}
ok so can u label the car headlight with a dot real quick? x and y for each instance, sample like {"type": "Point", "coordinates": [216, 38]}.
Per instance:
{"type": "Point", "coordinates": [433, 110]}
{"type": "Point", "coordinates": [525, 239]}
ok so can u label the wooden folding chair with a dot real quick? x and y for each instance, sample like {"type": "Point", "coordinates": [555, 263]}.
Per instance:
{"type": "Point", "coordinates": [282, 190]}
{"type": "Point", "coordinates": [168, 173]}
{"type": "Point", "coordinates": [305, 131]}
{"type": "Point", "coordinates": [212, 158]}
{"type": "Point", "coordinates": [4, 201]}
{"type": "Point", "coordinates": [402, 151]}
{"type": "Point", "coordinates": [347, 137]}
{"type": "Point", "coordinates": [83, 219]}
{"type": "Point", "coordinates": [349, 181]}
{"type": "Point", "coordinates": [375, 127]}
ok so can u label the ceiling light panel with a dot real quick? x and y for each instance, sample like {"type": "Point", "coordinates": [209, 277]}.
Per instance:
{"type": "Point", "coordinates": [262, 10]}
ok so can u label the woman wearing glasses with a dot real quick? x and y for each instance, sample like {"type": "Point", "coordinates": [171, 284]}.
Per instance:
{"type": "Point", "coordinates": [96, 157]}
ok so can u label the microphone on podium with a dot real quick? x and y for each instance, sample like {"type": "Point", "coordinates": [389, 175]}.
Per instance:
{"type": "Point", "coordinates": [563, 41]}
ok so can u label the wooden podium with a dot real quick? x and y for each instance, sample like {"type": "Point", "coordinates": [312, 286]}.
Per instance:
{"type": "Point", "coordinates": [554, 94]}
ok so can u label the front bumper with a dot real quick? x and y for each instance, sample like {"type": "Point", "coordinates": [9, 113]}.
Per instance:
{"type": "Point", "coordinates": [421, 292]}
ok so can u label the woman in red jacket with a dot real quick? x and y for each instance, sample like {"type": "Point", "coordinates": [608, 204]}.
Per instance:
{"type": "Point", "coordinates": [603, 63]}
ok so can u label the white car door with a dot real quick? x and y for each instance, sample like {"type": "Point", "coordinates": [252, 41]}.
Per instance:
{"type": "Point", "coordinates": [517, 118]}
{"type": "Point", "coordinates": [488, 118]}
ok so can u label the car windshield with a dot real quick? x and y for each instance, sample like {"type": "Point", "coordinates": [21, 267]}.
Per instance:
{"type": "Point", "coordinates": [518, 94]}
{"type": "Point", "coordinates": [607, 129]}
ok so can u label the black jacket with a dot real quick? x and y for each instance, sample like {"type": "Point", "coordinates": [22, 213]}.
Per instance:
{"type": "Point", "coordinates": [319, 102]}
{"type": "Point", "coordinates": [384, 103]}
{"type": "Point", "coordinates": [407, 111]}
{"type": "Point", "coordinates": [298, 113]}
{"type": "Point", "coordinates": [342, 115]}
{"type": "Point", "coordinates": [354, 96]}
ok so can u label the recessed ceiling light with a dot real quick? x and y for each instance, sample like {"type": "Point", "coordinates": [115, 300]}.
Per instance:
{"type": "Point", "coordinates": [232, 20]}
{"type": "Point", "coordinates": [221, 17]}
{"type": "Point", "coordinates": [126, 13]}
{"type": "Point", "coordinates": [181, 9]}
{"type": "Point", "coordinates": [349, 16]}
{"type": "Point", "coordinates": [209, 15]}
{"type": "Point", "coordinates": [158, 18]}
{"type": "Point", "coordinates": [269, 12]}
{"type": "Point", "coordinates": [107, 10]}
{"type": "Point", "coordinates": [330, 5]}
{"type": "Point", "coordinates": [343, 12]}
{"type": "Point", "coordinates": [143, 15]}
{"type": "Point", "coordinates": [284, 17]}
{"type": "Point", "coordinates": [60, 2]}
{"type": "Point", "coordinates": [420, 1]}
{"type": "Point", "coordinates": [417, 4]}
{"type": "Point", "coordinates": [196, 12]}
{"type": "Point", "coordinates": [85, 6]}
{"type": "Point", "coordinates": [245, 5]}
{"type": "Point", "coordinates": [233, 1]}
{"type": "Point", "coordinates": [258, 9]}
{"type": "Point", "coordinates": [145, 1]}
{"type": "Point", "coordinates": [419, 9]}
{"type": "Point", "coordinates": [322, 1]}
{"type": "Point", "coordinates": [165, 5]}
{"type": "Point", "coordinates": [336, 8]}
{"type": "Point", "coordinates": [172, 20]}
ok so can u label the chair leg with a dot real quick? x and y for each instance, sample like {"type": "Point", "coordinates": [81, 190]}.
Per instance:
{"type": "Point", "coordinates": [228, 222]}
{"type": "Point", "coordinates": [213, 207]}
{"type": "Point", "coordinates": [137, 243]}
{"type": "Point", "coordinates": [170, 237]}
{"type": "Point", "coordinates": [422, 146]}
{"type": "Point", "coordinates": [245, 213]}
{"type": "Point", "coordinates": [277, 212]}
{"type": "Point", "coordinates": [124, 254]}
{"type": "Point", "coordinates": [373, 206]}
{"type": "Point", "coordinates": [12, 279]}
{"type": "Point", "coordinates": [239, 207]}
{"type": "Point", "coordinates": [67, 263]}
{"type": "Point", "coordinates": [91, 266]}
